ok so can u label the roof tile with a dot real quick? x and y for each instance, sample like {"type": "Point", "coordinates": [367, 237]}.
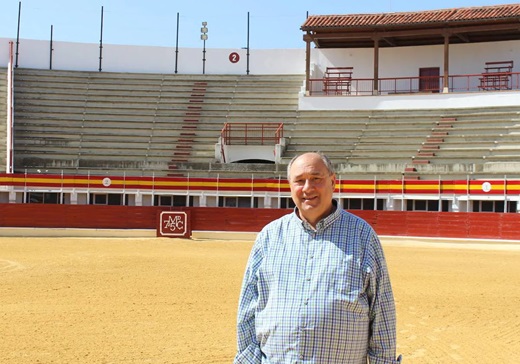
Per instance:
{"type": "Point", "coordinates": [411, 18]}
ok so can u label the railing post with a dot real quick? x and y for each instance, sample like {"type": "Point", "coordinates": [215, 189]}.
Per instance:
{"type": "Point", "coordinates": [9, 168]}
{"type": "Point", "coordinates": [101, 43]}
{"type": "Point", "coordinates": [18, 33]}
{"type": "Point", "coordinates": [223, 152]}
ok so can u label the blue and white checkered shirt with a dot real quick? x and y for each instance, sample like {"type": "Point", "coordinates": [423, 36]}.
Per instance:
{"type": "Point", "coordinates": [316, 296]}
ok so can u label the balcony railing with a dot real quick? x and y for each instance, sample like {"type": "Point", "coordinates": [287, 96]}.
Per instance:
{"type": "Point", "coordinates": [413, 85]}
{"type": "Point", "coordinates": [251, 133]}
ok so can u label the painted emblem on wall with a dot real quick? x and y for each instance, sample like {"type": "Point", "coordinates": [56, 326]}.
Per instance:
{"type": "Point", "coordinates": [174, 224]}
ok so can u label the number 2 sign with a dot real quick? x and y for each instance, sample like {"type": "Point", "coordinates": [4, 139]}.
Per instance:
{"type": "Point", "coordinates": [234, 57]}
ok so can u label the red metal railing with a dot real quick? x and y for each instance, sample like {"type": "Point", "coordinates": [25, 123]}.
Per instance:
{"type": "Point", "coordinates": [498, 188]}
{"type": "Point", "coordinates": [251, 133]}
{"type": "Point", "coordinates": [411, 85]}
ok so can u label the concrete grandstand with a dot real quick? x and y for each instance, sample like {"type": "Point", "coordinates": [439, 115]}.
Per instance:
{"type": "Point", "coordinates": [413, 142]}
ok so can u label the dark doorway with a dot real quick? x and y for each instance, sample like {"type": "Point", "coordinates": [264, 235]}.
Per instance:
{"type": "Point", "coordinates": [429, 79]}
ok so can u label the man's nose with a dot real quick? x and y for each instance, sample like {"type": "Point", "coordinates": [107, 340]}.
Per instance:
{"type": "Point", "coordinates": [308, 184]}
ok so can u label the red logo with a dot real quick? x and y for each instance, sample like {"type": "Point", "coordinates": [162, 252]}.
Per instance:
{"type": "Point", "coordinates": [174, 224]}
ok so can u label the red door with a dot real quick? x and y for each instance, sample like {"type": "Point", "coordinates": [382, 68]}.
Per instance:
{"type": "Point", "coordinates": [429, 79]}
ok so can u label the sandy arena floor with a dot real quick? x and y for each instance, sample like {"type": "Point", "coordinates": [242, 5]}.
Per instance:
{"type": "Point", "coordinates": [128, 300]}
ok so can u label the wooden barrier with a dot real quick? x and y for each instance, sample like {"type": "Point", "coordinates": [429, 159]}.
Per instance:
{"type": "Point", "coordinates": [476, 225]}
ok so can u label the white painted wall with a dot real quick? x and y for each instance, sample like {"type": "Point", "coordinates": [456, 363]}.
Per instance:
{"type": "Point", "coordinates": [235, 153]}
{"type": "Point", "coordinates": [412, 101]}
{"type": "Point", "coordinates": [406, 61]}
{"type": "Point", "coordinates": [123, 58]}
{"type": "Point", "coordinates": [394, 62]}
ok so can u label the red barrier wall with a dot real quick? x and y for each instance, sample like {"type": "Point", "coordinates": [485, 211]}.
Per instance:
{"type": "Point", "coordinates": [404, 223]}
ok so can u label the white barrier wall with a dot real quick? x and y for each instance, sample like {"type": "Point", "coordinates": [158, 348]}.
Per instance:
{"type": "Point", "coordinates": [122, 58]}
{"type": "Point", "coordinates": [412, 101]}
{"type": "Point", "coordinates": [394, 62]}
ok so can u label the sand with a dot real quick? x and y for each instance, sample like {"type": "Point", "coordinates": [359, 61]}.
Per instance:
{"type": "Point", "coordinates": [160, 300]}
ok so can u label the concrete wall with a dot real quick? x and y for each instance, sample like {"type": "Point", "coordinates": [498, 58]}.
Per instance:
{"type": "Point", "coordinates": [394, 62]}
{"type": "Point", "coordinates": [411, 101]}
{"type": "Point", "coordinates": [123, 58]}
{"type": "Point", "coordinates": [406, 61]}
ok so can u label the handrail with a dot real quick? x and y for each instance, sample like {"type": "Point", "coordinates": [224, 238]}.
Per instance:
{"type": "Point", "coordinates": [417, 84]}
{"type": "Point", "coordinates": [251, 133]}
{"type": "Point", "coordinates": [279, 133]}
{"type": "Point", "coordinates": [222, 151]}
{"type": "Point", "coordinates": [223, 133]}
{"type": "Point", "coordinates": [497, 187]}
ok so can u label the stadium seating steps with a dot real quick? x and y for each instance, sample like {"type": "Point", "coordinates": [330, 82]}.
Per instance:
{"type": "Point", "coordinates": [138, 124]}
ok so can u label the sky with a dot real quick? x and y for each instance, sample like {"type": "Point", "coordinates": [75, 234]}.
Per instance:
{"type": "Point", "coordinates": [273, 24]}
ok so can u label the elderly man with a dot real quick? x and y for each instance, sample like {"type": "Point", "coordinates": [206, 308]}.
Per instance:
{"type": "Point", "coordinates": [316, 287]}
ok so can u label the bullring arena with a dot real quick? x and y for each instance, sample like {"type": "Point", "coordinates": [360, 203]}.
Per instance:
{"type": "Point", "coordinates": [161, 300]}
{"type": "Point", "coordinates": [96, 148]}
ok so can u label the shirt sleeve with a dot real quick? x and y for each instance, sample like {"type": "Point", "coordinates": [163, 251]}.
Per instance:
{"type": "Point", "coordinates": [382, 341]}
{"type": "Point", "coordinates": [248, 348]}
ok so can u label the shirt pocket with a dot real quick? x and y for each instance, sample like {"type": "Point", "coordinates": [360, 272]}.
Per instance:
{"type": "Point", "coordinates": [348, 286]}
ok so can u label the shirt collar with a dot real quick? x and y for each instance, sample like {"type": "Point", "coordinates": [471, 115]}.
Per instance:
{"type": "Point", "coordinates": [323, 223]}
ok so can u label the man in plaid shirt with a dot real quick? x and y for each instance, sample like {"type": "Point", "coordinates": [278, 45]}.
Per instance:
{"type": "Point", "coordinates": [316, 287]}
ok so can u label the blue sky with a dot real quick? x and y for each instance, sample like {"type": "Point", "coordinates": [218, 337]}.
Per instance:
{"type": "Point", "coordinates": [273, 23]}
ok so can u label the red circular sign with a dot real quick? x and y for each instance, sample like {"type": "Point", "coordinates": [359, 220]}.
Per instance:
{"type": "Point", "coordinates": [234, 57]}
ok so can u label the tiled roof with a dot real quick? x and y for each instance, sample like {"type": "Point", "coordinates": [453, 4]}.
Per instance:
{"type": "Point", "coordinates": [413, 18]}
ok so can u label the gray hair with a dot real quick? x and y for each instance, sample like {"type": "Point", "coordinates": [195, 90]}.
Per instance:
{"type": "Point", "coordinates": [326, 161]}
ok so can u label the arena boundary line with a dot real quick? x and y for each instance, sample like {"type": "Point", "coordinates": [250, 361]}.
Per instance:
{"type": "Point", "coordinates": [75, 233]}
{"type": "Point", "coordinates": [112, 233]}
{"type": "Point", "coordinates": [447, 243]}
{"type": "Point", "coordinates": [390, 240]}
{"type": "Point", "coordinates": [223, 235]}
{"type": "Point", "coordinates": [199, 235]}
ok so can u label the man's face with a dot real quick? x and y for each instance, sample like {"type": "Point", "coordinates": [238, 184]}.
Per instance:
{"type": "Point", "coordinates": [311, 187]}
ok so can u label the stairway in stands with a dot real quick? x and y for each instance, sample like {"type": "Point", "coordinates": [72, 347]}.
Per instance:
{"type": "Point", "coordinates": [186, 138]}
{"type": "Point", "coordinates": [3, 116]}
{"type": "Point", "coordinates": [427, 151]}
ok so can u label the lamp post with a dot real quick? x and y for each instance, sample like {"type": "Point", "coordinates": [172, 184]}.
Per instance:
{"type": "Point", "coordinates": [204, 37]}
